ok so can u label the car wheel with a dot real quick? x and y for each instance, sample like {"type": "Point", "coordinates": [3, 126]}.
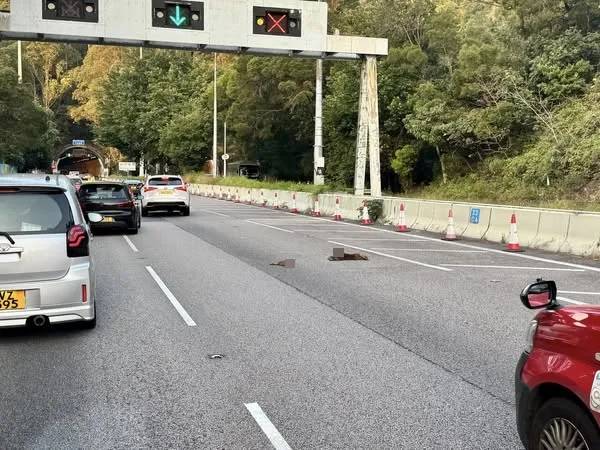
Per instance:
{"type": "Point", "coordinates": [186, 211]}
{"type": "Point", "coordinates": [144, 212]}
{"type": "Point", "coordinates": [561, 423]}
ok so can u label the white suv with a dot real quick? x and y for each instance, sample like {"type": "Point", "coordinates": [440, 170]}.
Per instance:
{"type": "Point", "coordinates": [165, 192]}
{"type": "Point", "coordinates": [46, 273]}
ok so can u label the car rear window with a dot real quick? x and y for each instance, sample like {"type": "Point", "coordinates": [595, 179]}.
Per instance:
{"type": "Point", "coordinates": [103, 192]}
{"type": "Point", "coordinates": [34, 212]}
{"type": "Point", "coordinates": [165, 181]}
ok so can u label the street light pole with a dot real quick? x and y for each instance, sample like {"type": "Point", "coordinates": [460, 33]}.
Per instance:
{"type": "Point", "coordinates": [20, 62]}
{"type": "Point", "coordinates": [318, 147]}
{"type": "Point", "coordinates": [225, 149]}
{"type": "Point", "coordinates": [215, 130]}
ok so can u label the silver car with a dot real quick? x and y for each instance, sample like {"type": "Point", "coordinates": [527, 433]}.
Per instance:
{"type": "Point", "coordinates": [46, 273]}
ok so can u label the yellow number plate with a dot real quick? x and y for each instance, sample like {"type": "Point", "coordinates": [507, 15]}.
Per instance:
{"type": "Point", "coordinates": [12, 300]}
{"type": "Point", "coordinates": [166, 192]}
{"type": "Point", "coordinates": [108, 219]}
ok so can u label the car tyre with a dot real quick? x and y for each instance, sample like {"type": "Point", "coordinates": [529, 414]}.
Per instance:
{"type": "Point", "coordinates": [571, 414]}
{"type": "Point", "coordinates": [186, 211]}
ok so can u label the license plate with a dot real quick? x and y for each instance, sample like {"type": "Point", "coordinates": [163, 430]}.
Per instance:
{"type": "Point", "coordinates": [166, 192]}
{"type": "Point", "coordinates": [12, 300]}
{"type": "Point", "coordinates": [108, 219]}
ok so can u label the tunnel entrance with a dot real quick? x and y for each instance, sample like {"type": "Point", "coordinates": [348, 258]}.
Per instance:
{"type": "Point", "coordinates": [85, 160]}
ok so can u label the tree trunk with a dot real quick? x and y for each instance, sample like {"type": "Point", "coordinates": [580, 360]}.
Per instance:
{"type": "Point", "coordinates": [442, 165]}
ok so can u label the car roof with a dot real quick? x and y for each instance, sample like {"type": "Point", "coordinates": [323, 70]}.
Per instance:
{"type": "Point", "coordinates": [35, 180]}
{"type": "Point", "coordinates": [103, 183]}
{"type": "Point", "coordinates": [164, 176]}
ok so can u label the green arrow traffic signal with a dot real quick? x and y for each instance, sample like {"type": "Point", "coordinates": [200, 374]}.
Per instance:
{"type": "Point", "coordinates": [179, 19]}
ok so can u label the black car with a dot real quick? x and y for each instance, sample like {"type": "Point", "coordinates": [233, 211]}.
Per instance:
{"type": "Point", "coordinates": [114, 201]}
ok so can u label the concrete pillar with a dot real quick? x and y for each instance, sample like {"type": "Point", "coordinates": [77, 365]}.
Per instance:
{"type": "Point", "coordinates": [362, 135]}
{"type": "Point", "coordinates": [373, 112]}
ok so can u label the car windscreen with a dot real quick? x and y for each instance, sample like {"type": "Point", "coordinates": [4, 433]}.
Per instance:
{"type": "Point", "coordinates": [103, 192]}
{"type": "Point", "coordinates": [23, 212]}
{"type": "Point", "coordinates": [165, 181]}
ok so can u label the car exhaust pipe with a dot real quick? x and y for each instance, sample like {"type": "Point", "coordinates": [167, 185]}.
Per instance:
{"type": "Point", "coordinates": [39, 321]}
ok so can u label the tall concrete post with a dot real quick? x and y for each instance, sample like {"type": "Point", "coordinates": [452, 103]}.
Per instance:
{"type": "Point", "coordinates": [215, 129]}
{"type": "Point", "coordinates": [20, 62]}
{"type": "Point", "coordinates": [318, 148]}
{"type": "Point", "coordinates": [373, 111]}
{"type": "Point", "coordinates": [362, 137]}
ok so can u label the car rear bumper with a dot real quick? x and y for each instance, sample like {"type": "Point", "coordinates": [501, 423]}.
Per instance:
{"type": "Point", "coordinates": [120, 219]}
{"type": "Point", "coordinates": [523, 400]}
{"type": "Point", "coordinates": [59, 300]}
{"type": "Point", "coordinates": [166, 203]}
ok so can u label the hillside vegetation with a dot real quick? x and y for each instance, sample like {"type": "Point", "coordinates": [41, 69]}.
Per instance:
{"type": "Point", "coordinates": [492, 100]}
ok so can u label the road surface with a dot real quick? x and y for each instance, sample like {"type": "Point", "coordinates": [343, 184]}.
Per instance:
{"type": "Point", "coordinates": [414, 348]}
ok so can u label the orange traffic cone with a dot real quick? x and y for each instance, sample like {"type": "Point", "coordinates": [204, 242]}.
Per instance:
{"type": "Point", "coordinates": [338, 212]}
{"type": "Point", "coordinates": [294, 207]}
{"type": "Point", "coordinates": [249, 201]}
{"type": "Point", "coordinates": [401, 227]}
{"type": "Point", "coordinates": [366, 220]}
{"type": "Point", "coordinates": [276, 201]}
{"type": "Point", "coordinates": [513, 237]}
{"type": "Point", "coordinates": [450, 231]}
{"type": "Point", "coordinates": [263, 202]}
{"type": "Point", "coordinates": [317, 211]}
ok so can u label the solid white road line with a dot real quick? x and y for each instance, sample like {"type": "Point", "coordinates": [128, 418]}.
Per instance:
{"type": "Point", "coordinates": [568, 300]}
{"type": "Point", "coordinates": [411, 261]}
{"type": "Point", "coordinates": [428, 250]}
{"type": "Point", "coordinates": [133, 247]}
{"type": "Point", "coordinates": [309, 230]}
{"type": "Point", "coordinates": [579, 293]}
{"type": "Point", "coordinates": [268, 226]}
{"type": "Point", "coordinates": [182, 312]}
{"type": "Point", "coordinates": [480, 266]}
{"type": "Point", "coordinates": [267, 426]}
{"type": "Point", "coordinates": [379, 239]}
{"type": "Point", "coordinates": [213, 212]}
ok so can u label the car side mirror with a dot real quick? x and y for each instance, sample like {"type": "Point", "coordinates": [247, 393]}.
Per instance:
{"type": "Point", "coordinates": [95, 217]}
{"type": "Point", "coordinates": [541, 294]}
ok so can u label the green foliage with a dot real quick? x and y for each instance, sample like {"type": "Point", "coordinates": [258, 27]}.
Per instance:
{"type": "Point", "coordinates": [26, 133]}
{"type": "Point", "coordinates": [404, 164]}
{"type": "Point", "coordinates": [375, 208]}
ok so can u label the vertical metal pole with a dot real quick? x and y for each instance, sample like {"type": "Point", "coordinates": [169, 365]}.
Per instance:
{"type": "Point", "coordinates": [215, 130]}
{"type": "Point", "coordinates": [318, 148]}
{"type": "Point", "coordinates": [373, 112]}
{"type": "Point", "coordinates": [141, 52]}
{"type": "Point", "coordinates": [362, 137]}
{"type": "Point", "coordinates": [224, 149]}
{"type": "Point", "coordinates": [20, 62]}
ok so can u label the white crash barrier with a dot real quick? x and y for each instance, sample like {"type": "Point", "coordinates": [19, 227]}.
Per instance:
{"type": "Point", "coordinates": [570, 232]}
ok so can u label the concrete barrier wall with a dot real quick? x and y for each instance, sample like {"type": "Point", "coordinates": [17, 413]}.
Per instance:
{"type": "Point", "coordinates": [571, 232]}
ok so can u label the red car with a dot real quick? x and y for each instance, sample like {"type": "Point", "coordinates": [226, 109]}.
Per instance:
{"type": "Point", "coordinates": [557, 382]}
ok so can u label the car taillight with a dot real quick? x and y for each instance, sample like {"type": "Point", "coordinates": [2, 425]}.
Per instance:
{"type": "Point", "coordinates": [84, 297]}
{"type": "Point", "coordinates": [77, 242]}
{"type": "Point", "coordinates": [149, 188]}
{"type": "Point", "coordinates": [182, 188]}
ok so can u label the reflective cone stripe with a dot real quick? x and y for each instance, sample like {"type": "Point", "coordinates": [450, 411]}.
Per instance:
{"type": "Point", "coordinates": [401, 227]}
{"type": "Point", "coordinates": [338, 211]}
{"type": "Point", "coordinates": [513, 237]}
{"type": "Point", "coordinates": [317, 211]}
{"type": "Point", "coordinates": [450, 231]}
{"type": "Point", "coordinates": [366, 219]}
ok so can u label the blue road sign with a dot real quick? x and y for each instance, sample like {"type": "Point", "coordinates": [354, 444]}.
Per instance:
{"type": "Point", "coordinates": [475, 215]}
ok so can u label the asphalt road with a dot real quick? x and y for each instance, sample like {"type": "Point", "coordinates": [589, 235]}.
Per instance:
{"type": "Point", "coordinates": [414, 348]}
